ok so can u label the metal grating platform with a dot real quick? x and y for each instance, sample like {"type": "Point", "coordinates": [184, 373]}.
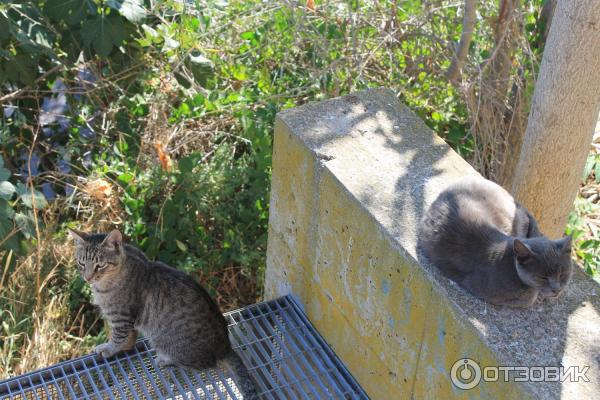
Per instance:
{"type": "Point", "coordinates": [285, 355]}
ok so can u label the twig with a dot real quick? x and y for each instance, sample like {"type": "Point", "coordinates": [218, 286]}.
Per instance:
{"type": "Point", "coordinates": [462, 51]}
{"type": "Point", "coordinates": [6, 266]}
{"type": "Point", "coordinates": [35, 218]}
{"type": "Point", "coordinates": [16, 93]}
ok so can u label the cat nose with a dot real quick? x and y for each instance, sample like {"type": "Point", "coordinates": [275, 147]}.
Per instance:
{"type": "Point", "coordinates": [88, 277]}
{"type": "Point", "coordinates": [554, 285]}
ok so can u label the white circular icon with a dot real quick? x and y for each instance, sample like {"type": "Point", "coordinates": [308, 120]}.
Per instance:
{"type": "Point", "coordinates": [465, 374]}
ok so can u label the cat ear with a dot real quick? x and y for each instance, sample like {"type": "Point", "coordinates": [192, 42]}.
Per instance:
{"type": "Point", "coordinates": [113, 240]}
{"type": "Point", "coordinates": [565, 243]}
{"type": "Point", "coordinates": [79, 237]}
{"type": "Point", "coordinates": [522, 251]}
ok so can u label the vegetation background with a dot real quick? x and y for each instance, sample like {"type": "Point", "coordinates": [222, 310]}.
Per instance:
{"type": "Point", "coordinates": [156, 117]}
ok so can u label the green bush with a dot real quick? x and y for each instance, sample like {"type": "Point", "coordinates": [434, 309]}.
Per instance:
{"type": "Point", "coordinates": [205, 215]}
{"type": "Point", "coordinates": [17, 207]}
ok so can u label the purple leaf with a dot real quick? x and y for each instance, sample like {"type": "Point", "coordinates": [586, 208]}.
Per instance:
{"type": "Point", "coordinates": [86, 76]}
{"type": "Point", "coordinates": [59, 86]}
{"type": "Point", "coordinates": [69, 189]}
{"type": "Point", "coordinates": [87, 159]}
{"type": "Point", "coordinates": [63, 166]}
{"type": "Point", "coordinates": [53, 108]}
{"type": "Point", "coordinates": [86, 81]}
{"type": "Point", "coordinates": [9, 110]}
{"type": "Point", "coordinates": [86, 133]}
{"type": "Point", "coordinates": [63, 124]}
{"type": "Point", "coordinates": [34, 165]}
{"type": "Point", "coordinates": [48, 191]}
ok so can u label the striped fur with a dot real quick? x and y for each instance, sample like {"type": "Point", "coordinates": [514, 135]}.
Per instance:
{"type": "Point", "coordinates": [179, 318]}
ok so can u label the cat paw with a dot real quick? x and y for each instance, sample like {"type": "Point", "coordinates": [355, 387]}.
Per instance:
{"type": "Point", "coordinates": [163, 362]}
{"type": "Point", "coordinates": [106, 350]}
{"type": "Point", "coordinates": [550, 294]}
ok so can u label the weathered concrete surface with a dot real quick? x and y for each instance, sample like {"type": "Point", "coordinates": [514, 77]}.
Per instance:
{"type": "Point", "coordinates": [351, 179]}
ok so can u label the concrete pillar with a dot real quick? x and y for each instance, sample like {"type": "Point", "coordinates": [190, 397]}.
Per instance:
{"type": "Point", "coordinates": [351, 179]}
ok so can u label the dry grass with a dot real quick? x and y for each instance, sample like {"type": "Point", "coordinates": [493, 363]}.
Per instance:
{"type": "Point", "coordinates": [39, 326]}
{"type": "Point", "coordinates": [37, 329]}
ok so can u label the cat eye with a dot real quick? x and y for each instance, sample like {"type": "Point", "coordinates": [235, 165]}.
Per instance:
{"type": "Point", "coordinates": [99, 267]}
{"type": "Point", "coordinates": [81, 264]}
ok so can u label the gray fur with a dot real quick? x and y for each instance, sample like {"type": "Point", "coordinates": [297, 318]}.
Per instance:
{"type": "Point", "coordinates": [479, 237]}
{"type": "Point", "coordinates": [182, 322]}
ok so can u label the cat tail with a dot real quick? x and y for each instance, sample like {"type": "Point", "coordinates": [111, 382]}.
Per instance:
{"type": "Point", "coordinates": [232, 362]}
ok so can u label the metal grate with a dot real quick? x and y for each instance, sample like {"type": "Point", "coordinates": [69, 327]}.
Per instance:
{"type": "Point", "coordinates": [284, 354]}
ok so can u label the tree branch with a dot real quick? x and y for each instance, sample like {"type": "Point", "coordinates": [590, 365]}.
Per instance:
{"type": "Point", "coordinates": [18, 92]}
{"type": "Point", "coordinates": [546, 15]}
{"type": "Point", "coordinates": [460, 57]}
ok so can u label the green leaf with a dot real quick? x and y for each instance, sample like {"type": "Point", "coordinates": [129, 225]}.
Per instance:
{"type": "Point", "coordinates": [6, 227]}
{"type": "Point", "coordinates": [133, 10]}
{"type": "Point", "coordinates": [34, 38]}
{"type": "Point", "coordinates": [125, 178]}
{"type": "Point", "coordinates": [4, 28]}
{"type": "Point", "coordinates": [198, 59]}
{"type": "Point", "coordinates": [248, 35]}
{"type": "Point", "coordinates": [71, 11]}
{"type": "Point", "coordinates": [186, 165]}
{"type": "Point", "coordinates": [184, 109]}
{"type": "Point", "coordinates": [4, 174]}
{"type": "Point", "coordinates": [22, 68]}
{"type": "Point", "coordinates": [25, 222]}
{"type": "Point", "coordinates": [6, 211]}
{"type": "Point", "coordinates": [6, 190]}
{"type": "Point", "coordinates": [29, 199]}
{"type": "Point", "coordinates": [589, 164]}
{"type": "Point", "coordinates": [103, 33]}
{"type": "Point", "coordinates": [586, 244]}
{"type": "Point", "coordinates": [240, 72]}
{"type": "Point", "coordinates": [181, 245]}
{"type": "Point", "coordinates": [182, 80]}
{"type": "Point", "coordinates": [201, 67]}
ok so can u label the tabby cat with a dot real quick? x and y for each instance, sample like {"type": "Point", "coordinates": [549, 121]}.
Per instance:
{"type": "Point", "coordinates": [479, 237]}
{"type": "Point", "coordinates": [182, 322]}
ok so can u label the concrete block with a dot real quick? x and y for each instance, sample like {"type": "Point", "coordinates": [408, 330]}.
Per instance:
{"type": "Point", "coordinates": [352, 177]}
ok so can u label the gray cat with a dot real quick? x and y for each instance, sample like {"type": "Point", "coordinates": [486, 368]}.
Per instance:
{"type": "Point", "coordinates": [182, 322]}
{"type": "Point", "coordinates": [479, 237]}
